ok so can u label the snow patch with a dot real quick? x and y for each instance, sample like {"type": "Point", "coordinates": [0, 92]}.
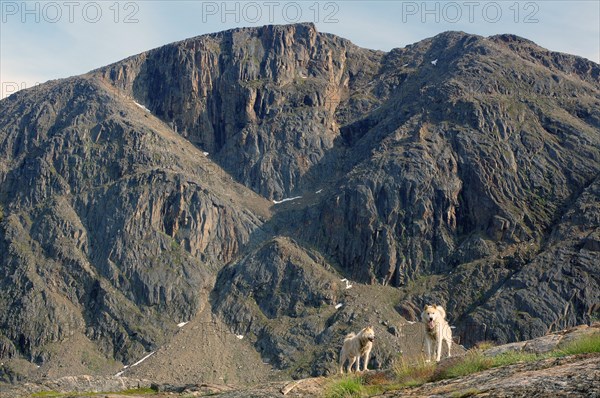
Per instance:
{"type": "Point", "coordinates": [142, 106]}
{"type": "Point", "coordinates": [434, 62]}
{"type": "Point", "coordinates": [239, 336]}
{"type": "Point", "coordinates": [338, 306]}
{"type": "Point", "coordinates": [319, 191]}
{"type": "Point", "coordinates": [205, 153]}
{"type": "Point", "coordinates": [143, 359]}
{"type": "Point", "coordinates": [286, 200]}
{"type": "Point", "coordinates": [181, 324]}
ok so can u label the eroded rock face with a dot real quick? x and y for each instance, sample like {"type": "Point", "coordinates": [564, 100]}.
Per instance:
{"type": "Point", "coordinates": [260, 99]}
{"type": "Point", "coordinates": [279, 280]}
{"type": "Point", "coordinates": [112, 226]}
{"type": "Point", "coordinates": [443, 174]}
{"type": "Point", "coordinates": [558, 287]}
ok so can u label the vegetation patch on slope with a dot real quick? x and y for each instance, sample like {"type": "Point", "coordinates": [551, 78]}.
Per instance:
{"type": "Point", "coordinates": [413, 374]}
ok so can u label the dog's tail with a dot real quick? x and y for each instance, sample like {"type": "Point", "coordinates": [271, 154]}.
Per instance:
{"type": "Point", "coordinates": [349, 336]}
{"type": "Point", "coordinates": [442, 311]}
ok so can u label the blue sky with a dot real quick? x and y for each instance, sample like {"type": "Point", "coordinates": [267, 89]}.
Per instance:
{"type": "Point", "coordinates": [44, 40]}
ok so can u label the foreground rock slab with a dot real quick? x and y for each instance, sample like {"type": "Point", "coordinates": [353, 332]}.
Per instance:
{"type": "Point", "coordinates": [577, 376]}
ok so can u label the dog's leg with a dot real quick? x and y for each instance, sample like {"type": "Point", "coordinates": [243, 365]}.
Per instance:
{"type": "Point", "coordinates": [449, 341]}
{"type": "Point", "coordinates": [366, 360]}
{"type": "Point", "coordinates": [342, 360]}
{"type": "Point", "coordinates": [350, 363]}
{"type": "Point", "coordinates": [428, 346]}
{"type": "Point", "coordinates": [438, 352]}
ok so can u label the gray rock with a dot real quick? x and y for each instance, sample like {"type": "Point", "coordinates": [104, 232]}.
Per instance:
{"type": "Point", "coordinates": [543, 344]}
{"type": "Point", "coordinates": [503, 349]}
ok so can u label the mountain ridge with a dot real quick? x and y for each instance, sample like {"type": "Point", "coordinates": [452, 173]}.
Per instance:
{"type": "Point", "coordinates": [460, 170]}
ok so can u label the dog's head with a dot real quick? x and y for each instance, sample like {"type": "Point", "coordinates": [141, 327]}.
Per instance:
{"type": "Point", "coordinates": [369, 333]}
{"type": "Point", "coordinates": [430, 315]}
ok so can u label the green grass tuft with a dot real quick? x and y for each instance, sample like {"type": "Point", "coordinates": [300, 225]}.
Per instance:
{"type": "Point", "coordinates": [414, 373]}
{"type": "Point", "coordinates": [484, 345]}
{"type": "Point", "coordinates": [473, 362]}
{"type": "Point", "coordinates": [347, 387]}
{"type": "Point", "coordinates": [584, 345]}
{"type": "Point", "coordinates": [138, 391]}
{"type": "Point", "coordinates": [47, 394]}
{"type": "Point", "coordinates": [512, 357]}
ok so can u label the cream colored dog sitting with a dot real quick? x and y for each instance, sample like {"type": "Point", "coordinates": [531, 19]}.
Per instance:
{"type": "Point", "coordinates": [437, 330]}
{"type": "Point", "coordinates": [357, 346]}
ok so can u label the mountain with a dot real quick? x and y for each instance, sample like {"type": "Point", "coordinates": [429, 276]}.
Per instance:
{"type": "Point", "coordinates": [233, 179]}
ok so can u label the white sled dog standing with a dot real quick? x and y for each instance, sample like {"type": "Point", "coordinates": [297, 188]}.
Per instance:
{"type": "Point", "coordinates": [436, 330]}
{"type": "Point", "coordinates": [357, 346]}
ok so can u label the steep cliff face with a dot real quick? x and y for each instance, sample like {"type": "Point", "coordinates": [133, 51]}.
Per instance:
{"type": "Point", "coordinates": [460, 170]}
{"type": "Point", "coordinates": [261, 100]}
{"type": "Point", "coordinates": [558, 287]}
{"type": "Point", "coordinates": [442, 174]}
{"type": "Point", "coordinates": [113, 225]}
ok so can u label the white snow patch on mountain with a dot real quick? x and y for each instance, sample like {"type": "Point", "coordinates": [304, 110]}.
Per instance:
{"type": "Point", "coordinates": [286, 200]}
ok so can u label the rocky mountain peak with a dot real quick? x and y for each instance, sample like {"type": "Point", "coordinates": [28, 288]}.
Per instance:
{"type": "Point", "coordinates": [460, 170]}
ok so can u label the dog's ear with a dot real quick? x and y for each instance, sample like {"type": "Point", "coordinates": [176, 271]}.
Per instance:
{"type": "Point", "coordinates": [435, 306]}
{"type": "Point", "coordinates": [425, 307]}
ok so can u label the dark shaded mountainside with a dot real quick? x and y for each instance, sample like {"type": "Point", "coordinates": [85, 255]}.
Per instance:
{"type": "Point", "coordinates": [460, 170]}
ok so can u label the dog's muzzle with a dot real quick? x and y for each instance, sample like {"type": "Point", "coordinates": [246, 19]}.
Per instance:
{"type": "Point", "coordinates": [371, 339]}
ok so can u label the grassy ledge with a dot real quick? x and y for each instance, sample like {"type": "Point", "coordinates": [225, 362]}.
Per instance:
{"type": "Point", "coordinates": [413, 374]}
{"type": "Point", "coordinates": [475, 361]}
{"type": "Point", "coordinates": [585, 345]}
